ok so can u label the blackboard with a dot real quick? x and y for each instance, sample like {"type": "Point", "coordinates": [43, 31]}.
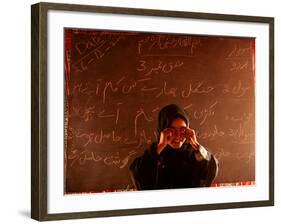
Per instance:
{"type": "Point", "coordinates": [116, 83]}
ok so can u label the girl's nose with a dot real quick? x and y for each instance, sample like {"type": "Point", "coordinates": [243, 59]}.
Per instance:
{"type": "Point", "coordinates": [177, 133]}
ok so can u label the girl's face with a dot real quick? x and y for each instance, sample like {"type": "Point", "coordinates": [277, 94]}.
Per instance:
{"type": "Point", "coordinates": [179, 129]}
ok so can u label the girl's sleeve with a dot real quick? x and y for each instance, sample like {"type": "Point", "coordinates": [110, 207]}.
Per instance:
{"type": "Point", "coordinates": [205, 170]}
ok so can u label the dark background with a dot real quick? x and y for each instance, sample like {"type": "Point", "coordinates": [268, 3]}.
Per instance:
{"type": "Point", "coordinates": [116, 83]}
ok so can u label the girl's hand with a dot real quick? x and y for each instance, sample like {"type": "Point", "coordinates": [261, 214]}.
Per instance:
{"type": "Point", "coordinates": [191, 137]}
{"type": "Point", "coordinates": [166, 137]}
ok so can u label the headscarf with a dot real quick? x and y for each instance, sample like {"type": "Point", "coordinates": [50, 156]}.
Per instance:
{"type": "Point", "coordinates": [169, 113]}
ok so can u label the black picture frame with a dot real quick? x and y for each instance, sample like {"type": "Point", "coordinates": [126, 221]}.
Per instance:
{"type": "Point", "coordinates": [39, 108]}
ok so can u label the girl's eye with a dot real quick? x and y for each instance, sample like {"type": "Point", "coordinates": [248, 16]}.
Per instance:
{"type": "Point", "coordinates": [183, 130]}
{"type": "Point", "coordinates": [171, 130]}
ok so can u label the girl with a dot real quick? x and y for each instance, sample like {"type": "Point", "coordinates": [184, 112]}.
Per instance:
{"type": "Point", "coordinates": [177, 160]}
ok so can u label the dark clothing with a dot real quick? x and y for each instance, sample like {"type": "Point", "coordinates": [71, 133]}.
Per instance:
{"type": "Point", "coordinates": [173, 168]}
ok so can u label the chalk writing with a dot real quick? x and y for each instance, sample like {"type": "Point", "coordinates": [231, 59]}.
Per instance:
{"type": "Point", "coordinates": [205, 113]}
{"type": "Point", "coordinates": [82, 88]}
{"type": "Point", "coordinates": [94, 137]}
{"type": "Point", "coordinates": [239, 66]}
{"type": "Point", "coordinates": [108, 85]}
{"type": "Point", "coordinates": [88, 113]}
{"type": "Point", "coordinates": [118, 86]}
{"type": "Point", "coordinates": [236, 90]}
{"type": "Point", "coordinates": [238, 52]}
{"type": "Point", "coordinates": [82, 157]}
{"type": "Point", "coordinates": [246, 117]}
{"type": "Point", "coordinates": [124, 86]}
{"type": "Point", "coordinates": [102, 115]}
{"type": "Point", "coordinates": [160, 67]}
{"type": "Point", "coordinates": [100, 136]}
{"type": "Point", "coordinates": [241, 135]}
{"type": "Point", "coordinates": [144, 139]}
{"type": "Point", "coordinates": [148, 89]}
{"type": "Point", "coordinates": [97, 51]}
{"type": "Point", "coordinates": [126, 89]}
{"type": "Point", "coordinates": [246, 157]}
{"type": "Point", "coordinates": [94, 42]}
{"type": "Point", "coordinates": [166, 91]}
{"type": "Point", "coordinates": [195, 88]}
{"type": "Point", "coordinates": [187, 106]}
{"type": "Point", "coordinates": [210, 134]}
{"type": "Point", "coordinates": [221, 154]}
{"type": "Point", "coordinates": [140, 113]}
{"type": "Point", "coordinates": [157, 45]}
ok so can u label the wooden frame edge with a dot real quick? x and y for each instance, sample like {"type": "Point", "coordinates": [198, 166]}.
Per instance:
{"type": "Point", "coordinates": [39, 110]}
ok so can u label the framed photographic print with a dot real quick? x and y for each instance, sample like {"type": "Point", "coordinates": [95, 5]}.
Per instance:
{"type": "Point", "coordinates": [140, 111]}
